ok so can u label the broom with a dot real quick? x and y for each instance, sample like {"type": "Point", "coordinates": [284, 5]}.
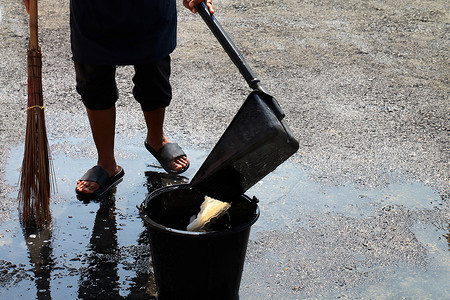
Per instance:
{"type": "Point", "coordinates": [35, 181]}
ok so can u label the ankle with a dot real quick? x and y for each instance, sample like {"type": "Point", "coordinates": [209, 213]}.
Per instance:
{"type": "Point", "coordinates": [157, 142]}
{"type": "Point", "coordinates": [110, 168]}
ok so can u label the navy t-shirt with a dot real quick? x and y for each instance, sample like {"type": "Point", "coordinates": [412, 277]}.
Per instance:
{"type": "Point", "coordinates": [122, 32]}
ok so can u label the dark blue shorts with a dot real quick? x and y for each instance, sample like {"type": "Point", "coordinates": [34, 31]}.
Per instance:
{"type": "Point", "coordinates": [98, 89]}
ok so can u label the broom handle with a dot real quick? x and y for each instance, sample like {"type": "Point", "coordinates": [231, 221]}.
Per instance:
{"type": "Point", "coordinates": [229, 47]}
{"type": "Point", "coordinates": [33, 25]}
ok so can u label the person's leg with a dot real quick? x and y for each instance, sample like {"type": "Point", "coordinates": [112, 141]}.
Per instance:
{"type": "Point", "coordinates": [97, 88]}
{"type": "Point", "coordinates": [153, 91]}
{"type": "Point", "coordinates": [103, 124]}
{"type": "Point", "coordinates": [156, 138]}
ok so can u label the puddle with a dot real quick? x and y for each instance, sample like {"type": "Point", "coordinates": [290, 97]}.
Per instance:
{"type": "Point", "coordinates": [101, 248]}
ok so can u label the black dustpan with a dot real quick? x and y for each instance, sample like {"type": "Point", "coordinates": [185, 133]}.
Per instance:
{"type": "Point", "coordinates": [255, 143]}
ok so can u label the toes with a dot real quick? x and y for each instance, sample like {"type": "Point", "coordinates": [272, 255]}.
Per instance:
{"type": "Point", "coordinates": [183, 161]}
{"type": "Point", "coordinates": [179, 163]}
{"type": "Point", "coordinates": [87, 187]}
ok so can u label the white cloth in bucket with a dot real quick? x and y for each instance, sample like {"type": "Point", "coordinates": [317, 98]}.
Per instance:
{"type": "Point", "coordinates": [209, 209]}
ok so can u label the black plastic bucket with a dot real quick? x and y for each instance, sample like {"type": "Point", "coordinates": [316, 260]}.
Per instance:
{"type": "Point", "coordinates": [196, 265]}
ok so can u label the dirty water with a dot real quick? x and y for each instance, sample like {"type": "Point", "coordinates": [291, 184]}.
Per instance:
{"type": "Point", "coordinates": [100, 248]}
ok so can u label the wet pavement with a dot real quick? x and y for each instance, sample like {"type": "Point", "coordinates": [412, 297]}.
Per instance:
{"type": "Point", "coordinates": [311, 240]}
{"type": "Point", "coordinates": [361, 211]}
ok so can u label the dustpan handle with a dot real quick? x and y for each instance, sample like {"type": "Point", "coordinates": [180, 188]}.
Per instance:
{"type": "Point", "coordinates": [229, 47]}
{"type": "Point", "coordinates": [237, 58]}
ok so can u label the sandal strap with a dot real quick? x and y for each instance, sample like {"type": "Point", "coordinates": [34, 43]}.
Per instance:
{"type": "Point", "coordinates": [96, 174]}
{"type": "Point", "coordinates": [170, 151]}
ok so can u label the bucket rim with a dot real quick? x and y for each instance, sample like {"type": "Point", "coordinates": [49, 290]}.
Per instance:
{"type": "Point", "coordinates": [160, 227]}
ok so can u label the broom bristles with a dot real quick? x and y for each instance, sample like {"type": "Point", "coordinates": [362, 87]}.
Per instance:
{"type": "Point", "coordinates": [36, 180]}
{"type": "Point", "coordinates": [35, 183]}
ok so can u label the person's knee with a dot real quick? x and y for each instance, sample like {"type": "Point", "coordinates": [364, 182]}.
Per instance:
{"type": "Point", "coordinates": [99, 100]}
{"type": "Point", "coordinates": [96, 85]}
{"type": "Point", "coordinates": [152, 88]}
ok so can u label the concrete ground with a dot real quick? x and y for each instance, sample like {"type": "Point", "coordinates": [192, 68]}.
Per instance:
{"type": "Point", "coordinates": [365, 88]}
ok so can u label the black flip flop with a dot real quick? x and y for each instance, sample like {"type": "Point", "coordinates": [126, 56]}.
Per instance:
{"type": "Point", "coordinates": [166, 154]}
{"type": "Point", "coordinates": [99, 175]}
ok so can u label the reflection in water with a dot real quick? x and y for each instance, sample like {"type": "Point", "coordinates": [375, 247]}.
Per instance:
{"type": "Point", "coordinates": [40, 254]}
{"type": "Point", "coordinates": [156, 180]}
{"type": "Point", "coordinates": [100, 279]}
{"type": "Point", "coordinates": [99, 275]}
{"type": "Point", "coordinates": [144, 285]}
